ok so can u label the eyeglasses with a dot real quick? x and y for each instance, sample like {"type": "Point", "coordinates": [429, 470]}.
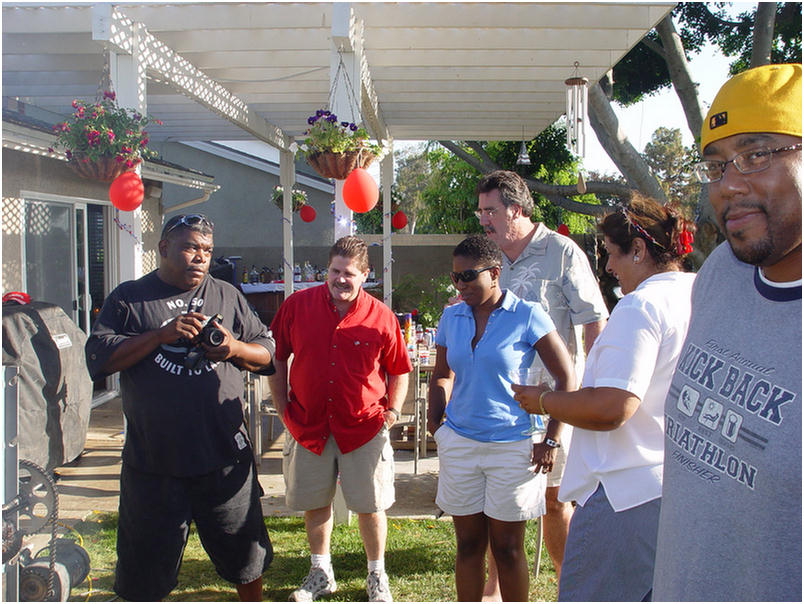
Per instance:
{"type": "Point", "coordinates": [190, 220]}
{"type": "Point", "coordinates": [469, 274]}
{"type": "Point", "coordinates": [756, 160]}
{"type": "Point", "coordinates": [490, 212]}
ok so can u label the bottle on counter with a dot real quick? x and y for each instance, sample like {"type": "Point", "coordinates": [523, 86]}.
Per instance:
{"type": "Point", "coordinates": [296, 273]}
{"type": "Point", "coordinates": [254, 275]}
{"type": "Point", "coordinates": [244, 279]}
{"type": "Point", "coordinates": [265, 275]}
{"type": "Point", "coordinates": [308, 272]}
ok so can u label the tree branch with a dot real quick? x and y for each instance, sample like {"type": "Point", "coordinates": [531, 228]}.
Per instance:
{"type": "Point", "coordinates": [657, 48]}
{"type": "Point", "coordinates": [557, 194]}
{"type": "Point", "coordinates": [615, 142]}
{"type": "Point", "coordinates": [678, 67]}
{"type": "Point", "coordinates": [762, 41]}
{"type": "Point", "coordinates": [719, 20]}
{"type": "Point", "coordinates": [482, 162]}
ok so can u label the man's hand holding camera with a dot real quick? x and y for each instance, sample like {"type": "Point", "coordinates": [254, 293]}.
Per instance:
{"type": "Point", "coordinates": [218, 342]}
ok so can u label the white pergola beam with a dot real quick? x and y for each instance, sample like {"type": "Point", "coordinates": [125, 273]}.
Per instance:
{"type": "Point", "coordinates": [113, 28]}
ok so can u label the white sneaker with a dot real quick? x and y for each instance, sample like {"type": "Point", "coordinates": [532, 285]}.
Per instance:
{"type": "Point", "coordinates": [317, 583]}
{"type": "Point", "coordinates": [377, 587]}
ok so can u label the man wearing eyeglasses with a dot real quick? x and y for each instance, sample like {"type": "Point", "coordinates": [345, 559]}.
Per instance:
{"type": "Point", "coordinates": [187, 455]}
{"type": "Point", "coordinates": [730, 523]}
{"type": "Point", "coordinates": [543, 266]}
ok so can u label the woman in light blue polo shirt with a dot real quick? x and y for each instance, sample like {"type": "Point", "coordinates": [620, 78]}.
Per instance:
{"type": "Point", "coordinates": [489, 480]}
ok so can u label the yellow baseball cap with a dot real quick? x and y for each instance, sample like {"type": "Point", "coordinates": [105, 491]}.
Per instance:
{"type": "Point", "coordinates": [763, 99]}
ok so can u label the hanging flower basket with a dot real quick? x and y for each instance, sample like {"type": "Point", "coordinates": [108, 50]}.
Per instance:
{"type": "Point", "coordinates": [104, 169]}
{"type": "Point", "coordinates": [339, 165]}
{"type": "Point", "coordinates": [298, 196]}
{"type": "Point", "coordinates": [102, 140]}
{"type": "Point", "coordinates": [335, 148]}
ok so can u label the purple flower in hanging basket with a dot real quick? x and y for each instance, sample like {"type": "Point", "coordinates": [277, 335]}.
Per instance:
{"type": "Point", "coordinates": [108, 94]}
{"type": "Point", "coordinates": [311, 120]}
{"type": "Point", "coordinates": [110, 134]}
{"type": "Point", "coordinates": [353, 127]}
{"type": "Point", "coordinates": [327, 113]}
{"type": "Point", "coordinates": [68, 154]}
{"type": "Point", "coordinates": [344, 124]}
{"type": "Point", "coordinates": [332, 119]}
{"type": "Point", "coordinates": [319, 112]}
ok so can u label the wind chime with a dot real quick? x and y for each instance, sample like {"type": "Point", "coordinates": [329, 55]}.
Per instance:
{"type": "Point", "coordinates": [523, 159]}
{"type": "Point", "coordinates": [577, 103]}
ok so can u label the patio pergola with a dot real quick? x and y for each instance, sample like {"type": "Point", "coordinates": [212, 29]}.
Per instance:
{"type": "Point", "coordinates": [408, 71]}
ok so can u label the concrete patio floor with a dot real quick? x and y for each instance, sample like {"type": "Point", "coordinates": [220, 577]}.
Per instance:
{"type": "Point", "coordinates": [91, 483]}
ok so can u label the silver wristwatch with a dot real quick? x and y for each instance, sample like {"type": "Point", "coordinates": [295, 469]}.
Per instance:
{"type": "Point", "coordinates": [552, 443]}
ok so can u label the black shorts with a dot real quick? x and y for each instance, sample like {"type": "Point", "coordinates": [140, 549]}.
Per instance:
{"type": "Point", "coordinates": [155, 516]}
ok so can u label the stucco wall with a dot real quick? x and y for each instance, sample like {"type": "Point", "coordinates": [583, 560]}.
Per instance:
{"type": "Point", "coordinates": [46, 176]}
{"type": "Point", "coordinates": [247, 223]}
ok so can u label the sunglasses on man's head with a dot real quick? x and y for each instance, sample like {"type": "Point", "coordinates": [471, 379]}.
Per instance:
{"type": "Point", "coordinates": [469, 274]}
{"type": "Point", "coordinates": [190, 220]}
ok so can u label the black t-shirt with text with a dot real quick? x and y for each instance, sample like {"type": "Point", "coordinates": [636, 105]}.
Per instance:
{"type": "Point", "coordinates": [180, 422]}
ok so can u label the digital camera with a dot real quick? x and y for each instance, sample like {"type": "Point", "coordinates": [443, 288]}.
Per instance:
{"type": "Point", "coordinates": [209, 335]}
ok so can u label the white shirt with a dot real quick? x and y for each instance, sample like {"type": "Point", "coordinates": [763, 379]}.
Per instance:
{"type": "Point", "coordinates": [636, 352]}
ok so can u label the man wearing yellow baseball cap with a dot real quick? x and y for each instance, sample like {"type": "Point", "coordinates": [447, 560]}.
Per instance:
{"type": "Point", "coordinates": [730, 525]}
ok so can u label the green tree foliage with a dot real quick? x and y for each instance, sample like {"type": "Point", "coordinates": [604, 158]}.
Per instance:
{"type": "Point", "coordinates": [413, 174]}
{"type": "Point", "coordinates": [427, 295]}
{"type": "Point", "coordinates": [449, 198]}
{"type": "Point", "coordinates": [643, 71]}
{"type": "Point", "coordinates": [371, 221]}
{"type": "Point", "coordinates": [709, 22]}
{"type": "Point", "coordinates": [671, 162]}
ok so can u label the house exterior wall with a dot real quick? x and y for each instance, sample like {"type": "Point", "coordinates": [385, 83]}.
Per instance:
{"type": "Point", "coordinates": [247, 222]}
{"type": "Point", "coordinates": [47, 176]}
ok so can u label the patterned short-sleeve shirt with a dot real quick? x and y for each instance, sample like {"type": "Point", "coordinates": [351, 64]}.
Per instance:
{"type": "Point", "coordinates": [554, 271]}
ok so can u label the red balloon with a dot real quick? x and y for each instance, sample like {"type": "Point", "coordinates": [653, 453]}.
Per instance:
{"type": "Point", "coordinates": [127, 191]}
{"type": "Point", "coordinates": [399, 220]}
{"type": "Point", "coordinates": [563, 229]}
{"type": "Point", "coordinates": [307, 213]}
{"type": "Point", "coordinates": [360, 192]}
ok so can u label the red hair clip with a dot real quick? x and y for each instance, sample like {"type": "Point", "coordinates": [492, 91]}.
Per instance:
{"type": "Point", "coordinates": [685, 239]}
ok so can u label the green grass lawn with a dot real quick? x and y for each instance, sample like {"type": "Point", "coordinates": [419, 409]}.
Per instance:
{"type": "Point", "coordinates": [420, 558]}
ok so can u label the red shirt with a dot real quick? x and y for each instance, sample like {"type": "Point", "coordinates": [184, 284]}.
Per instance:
{"type": "Point", "coordinates": [337, 378]}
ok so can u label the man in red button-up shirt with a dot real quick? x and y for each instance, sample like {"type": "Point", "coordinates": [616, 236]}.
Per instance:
{"type": "Point", "coordinates": [348, 381]}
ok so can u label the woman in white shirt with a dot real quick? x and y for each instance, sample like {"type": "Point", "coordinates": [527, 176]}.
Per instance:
{"type": "Point", "coordinates": [614, 467]}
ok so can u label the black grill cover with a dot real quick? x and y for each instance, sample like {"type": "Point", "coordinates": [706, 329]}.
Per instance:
{"type": "Point", "coordinates": [55, 390]}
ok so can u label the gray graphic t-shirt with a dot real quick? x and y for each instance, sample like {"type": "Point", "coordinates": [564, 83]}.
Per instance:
{"type": "Point", "coordinates": [730, 526]}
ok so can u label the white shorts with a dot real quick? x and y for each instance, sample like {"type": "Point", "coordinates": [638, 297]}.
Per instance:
{"type": "Point", "coordinates": [492, 478]}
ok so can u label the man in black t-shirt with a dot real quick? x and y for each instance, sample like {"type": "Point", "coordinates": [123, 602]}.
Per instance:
{"type": "Point", "coordinates": [187, 455]}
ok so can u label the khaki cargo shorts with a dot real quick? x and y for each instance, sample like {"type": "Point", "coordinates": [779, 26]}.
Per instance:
{"type": "Point", "coordinates": [366, 475]}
